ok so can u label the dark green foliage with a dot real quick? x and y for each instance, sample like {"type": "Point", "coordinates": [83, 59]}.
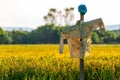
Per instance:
{"type": "Point", "coordinates": [108, 37]}
{"type": "Point", "coordinates": [45, 34]}
{"type": "Point", "coordinates": [4, 38]}
{"type": "Point", "coordinates": [95, 37]}
{"type": "Point", "coordinates": [49, 34]}
{"type": "Point", "coordinates": [19, 37]}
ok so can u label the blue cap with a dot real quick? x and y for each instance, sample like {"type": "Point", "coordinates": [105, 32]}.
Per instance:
{"type": "Point", "coordinates": [82, 9]}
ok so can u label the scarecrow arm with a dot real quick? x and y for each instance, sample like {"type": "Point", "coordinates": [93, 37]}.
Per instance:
{"type": "Point", "coordinates": [61, 45]}
{"type": "Point", "coordinates": [95, 24]}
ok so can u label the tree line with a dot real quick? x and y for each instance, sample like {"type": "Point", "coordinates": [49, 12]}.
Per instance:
{"type": "Point", "coordinates": [50, 34]}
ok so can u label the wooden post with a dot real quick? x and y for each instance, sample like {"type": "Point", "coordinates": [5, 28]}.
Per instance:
{"type": "Point", "coordinates": [81, 69]}
{"type": "Point", "coordinates": [81, 49]}
{"type": "Point", "coordinates": [82, 9]}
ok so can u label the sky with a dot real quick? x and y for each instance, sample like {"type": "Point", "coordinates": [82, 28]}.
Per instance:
{"type": "Point", "coordinates": [29, 13]}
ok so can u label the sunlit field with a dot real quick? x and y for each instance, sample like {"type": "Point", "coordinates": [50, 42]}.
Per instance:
{"type": "Point", "coordinates": [43, 62]}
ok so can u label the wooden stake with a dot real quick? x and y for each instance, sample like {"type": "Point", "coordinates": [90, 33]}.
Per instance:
{"type": "Point", "coordinates": [81, 69]}
{"type": "Point", "coordinates": [81, 51]}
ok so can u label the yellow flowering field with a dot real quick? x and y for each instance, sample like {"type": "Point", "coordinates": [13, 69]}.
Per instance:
{"type": "Point", "coordinates": [43, 62]}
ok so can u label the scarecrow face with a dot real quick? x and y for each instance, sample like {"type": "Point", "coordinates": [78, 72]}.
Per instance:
{"type": "Point", "coordinates": [82, 9]}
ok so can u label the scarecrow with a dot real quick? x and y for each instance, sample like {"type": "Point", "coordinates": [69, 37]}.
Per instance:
{"type": "Point", "coordinates": [79, 37]}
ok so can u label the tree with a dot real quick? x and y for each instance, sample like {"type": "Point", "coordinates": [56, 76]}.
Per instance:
{"type": "Point", "coordinates": [118, 39]}
{"type": "Point", "coordinates": [110, 37]}
{"type": "Point", "coordinates": [4, 38]}
{"type": "Point", "coordinates": [56, 17]}
{"type": "Point", "coordinates": [45, 34]}
{"type": "Point", "coordinates": [95, 38]}
{"type": "Point", "coordinates": [50, 18]}
{"type": "Point", "coordinates": [19, 37]}
{"type": "Point", "coordinates": [69, 15]}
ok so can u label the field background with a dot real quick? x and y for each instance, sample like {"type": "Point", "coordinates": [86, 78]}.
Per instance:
{"type": "Point", "coordinates": [43, 62]}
